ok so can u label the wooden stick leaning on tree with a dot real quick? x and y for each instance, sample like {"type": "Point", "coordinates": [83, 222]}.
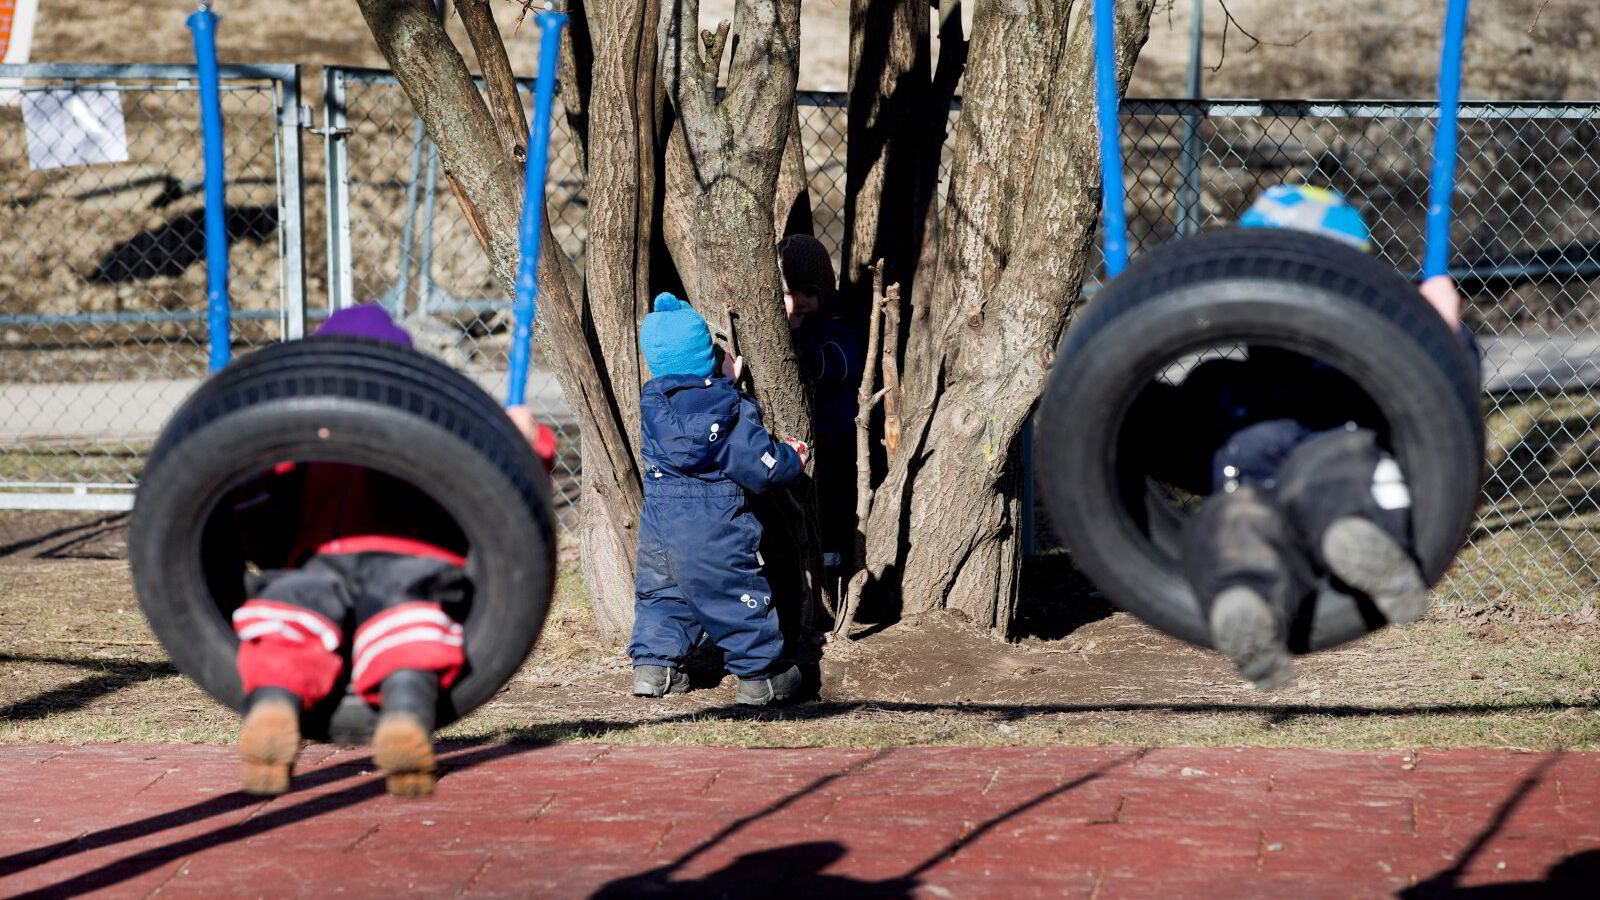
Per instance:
{"type": "Point", "coordinates": [866, 399]}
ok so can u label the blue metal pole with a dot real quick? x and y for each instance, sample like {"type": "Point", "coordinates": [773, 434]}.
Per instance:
{"type": "Point", "coordinates": [525, 308]}
{"type": "Point", "coordinates": [1442, 184]}
{"type": "Point", "coordinates": [203, 22]}
{"type": "Point", "coordinates": [1113, 219]}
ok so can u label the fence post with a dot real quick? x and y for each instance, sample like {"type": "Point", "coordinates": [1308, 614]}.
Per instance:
{"type": "Point", "coordinates": [336, 150]}
{"type": "Point", "coordinates": [1189, 168]}
{"type": "Point", "coordinates": [291, 208]}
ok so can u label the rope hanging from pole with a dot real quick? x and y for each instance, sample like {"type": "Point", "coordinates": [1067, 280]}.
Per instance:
{"type": "Point", "coordinates": [526, 306]}
{"type": "Point", "coordinates": [203, 23]}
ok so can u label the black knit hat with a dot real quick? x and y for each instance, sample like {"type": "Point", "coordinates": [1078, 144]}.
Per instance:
{"type": "Point", "coordinates": [806, 265]}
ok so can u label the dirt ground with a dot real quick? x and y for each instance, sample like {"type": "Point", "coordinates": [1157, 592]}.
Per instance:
{"type": "Point", "coordinates": [79, 665]}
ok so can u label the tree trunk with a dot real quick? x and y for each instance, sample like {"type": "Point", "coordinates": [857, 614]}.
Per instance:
{"type": "Point", "coordinates": [889, 72]}
{"type": "Point", "coordinates": [1015, 238]}
{"type": "Point", "coordinates": [733, 149]}
{"type": "Point", "coordinates": [625, 112]}
{"type": "Point", "coordinates": [732, 155]}
{"type": "Point", "coordinates": [435, 78]}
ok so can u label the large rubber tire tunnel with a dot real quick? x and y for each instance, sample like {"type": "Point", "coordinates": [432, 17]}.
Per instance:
{"type": "Point", "coordinates": [343, 400]}
{"type": "Point", "coordinates": [1228, 289]}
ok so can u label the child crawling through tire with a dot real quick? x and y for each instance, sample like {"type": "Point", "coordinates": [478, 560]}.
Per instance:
{"type": "Point", "coordinates": [1299, 485]}
{"type": "Point", "coordinates": [340, 547]}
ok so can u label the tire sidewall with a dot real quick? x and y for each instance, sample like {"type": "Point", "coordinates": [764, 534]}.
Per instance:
{"type": "Point", "coordinates": [1437, 443]}
{"type": "Point", "coordinates": [505, 518]}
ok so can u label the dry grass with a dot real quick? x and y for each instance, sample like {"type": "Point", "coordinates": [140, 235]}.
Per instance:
{"type": "Point", "coordinates": [80, 667]}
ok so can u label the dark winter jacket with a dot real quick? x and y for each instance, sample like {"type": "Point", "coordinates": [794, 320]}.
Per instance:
{"type": "Point", "coordinates": [1237, 419]}
{"type": "Point", "coordinates": [702, 429]}
{"type": "Point", "coordinates": [295, 510]}
{"type": "Point", "coordinates": [832, 358]}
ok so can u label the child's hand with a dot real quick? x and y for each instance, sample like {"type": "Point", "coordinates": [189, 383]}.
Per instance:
{"type": "Point", "coordinates": [1440, 292]}
{"type": "Point", "coordinates": [800, 449]}
{"type": "Point", "coordinates": [733, 368]}
{"type": "Point", "coordinates": [540, 437]}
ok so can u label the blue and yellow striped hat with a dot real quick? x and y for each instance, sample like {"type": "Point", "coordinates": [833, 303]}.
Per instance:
{"type": "Point", "coordinates": [1306, 208]}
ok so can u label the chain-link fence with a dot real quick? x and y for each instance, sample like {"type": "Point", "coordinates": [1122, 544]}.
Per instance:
{"type": "Point", "coordinates": [398, 237]}
{"type": "Point", "coordinates": [102, 246]}
{"type": "Point", "coordinates": [99, 287]}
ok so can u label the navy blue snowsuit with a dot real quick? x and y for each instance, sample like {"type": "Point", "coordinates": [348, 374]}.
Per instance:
{"type": "Point", "coordinates": [699, 571]}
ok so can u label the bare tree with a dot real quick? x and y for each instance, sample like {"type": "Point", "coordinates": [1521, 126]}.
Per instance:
{"type": "Point", "coordinates": [691, 180]}
{"type": "Point", "coordinates": [1014, 235]}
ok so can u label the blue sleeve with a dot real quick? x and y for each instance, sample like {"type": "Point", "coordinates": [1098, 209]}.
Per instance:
{"type": "Point", "coordinates": [754, 460]}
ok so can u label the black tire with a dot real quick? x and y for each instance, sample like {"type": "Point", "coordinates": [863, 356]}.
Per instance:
{"type": "Point", "coordinates": [1277, 287]}
{"type": "Point", "coordinates": [359, 402]}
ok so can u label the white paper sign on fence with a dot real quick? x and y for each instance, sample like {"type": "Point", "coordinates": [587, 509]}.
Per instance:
{"type": "Point", "coordinates": [74, 128]}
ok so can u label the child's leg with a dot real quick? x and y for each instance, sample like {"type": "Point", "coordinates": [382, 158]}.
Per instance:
{"type": "Point", "coordinates": [402, 744]}
{"type": "Point", "coordinates": [1351, 505]}
{"type": "Point", "coordinates": [1238, 558]}
{"type": "Point", "coordinates": [664, 625]}
{"type": "Point", "coordinates": [406, 648]}
{"type": "Point", "coordinates": [288, 660]}
{"type": "Point", "coordinates": [720, 572]}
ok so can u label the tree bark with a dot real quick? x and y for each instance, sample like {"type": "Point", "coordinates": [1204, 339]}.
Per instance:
{"type": "Point", "coordinates": [889, 79]}
{"type": "Point", "coordinates": [1016, 231]}
{"type": "Point", "coordinates": [733, 149]}
{"type": "Point", "coordinates": [935, 129]}
{"type": "Point", "coordinates": [504, 102]}
{"type": "Point", "coordinates": [625, 113]}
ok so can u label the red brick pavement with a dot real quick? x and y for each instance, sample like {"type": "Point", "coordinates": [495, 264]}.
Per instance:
{"type": "Point", "coordinates": [577, 820]}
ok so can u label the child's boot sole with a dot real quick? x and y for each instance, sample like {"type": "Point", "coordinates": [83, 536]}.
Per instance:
{"type": "Point", "coordinates": [402, 748]}
{"type": "Point", "coordinates": [1365, 557]}
{"type": "Point", "coordinates": [269, 740]}
{"type": "Point", "coordinates": [1246, 630]}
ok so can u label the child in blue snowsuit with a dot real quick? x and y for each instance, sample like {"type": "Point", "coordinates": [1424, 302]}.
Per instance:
{"type": "Point", "coordinates": [699, 570]}
{"type": "Point", "coordinates": [1290, 456]}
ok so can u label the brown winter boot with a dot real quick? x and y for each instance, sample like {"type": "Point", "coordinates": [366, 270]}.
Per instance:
{"type": "Point", "coordinates": [269, 741]}
{"type": "Point", "coordinates": [402, 745]}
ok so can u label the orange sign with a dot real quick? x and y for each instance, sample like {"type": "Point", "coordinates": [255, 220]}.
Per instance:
{"type": "Point", "coordinates": [7, 8]}
{"type": "Point", "coordinates": [17, 18]}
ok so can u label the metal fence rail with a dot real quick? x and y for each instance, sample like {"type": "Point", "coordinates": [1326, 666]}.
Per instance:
{"type": "Point", "coordinates": [102, 284]}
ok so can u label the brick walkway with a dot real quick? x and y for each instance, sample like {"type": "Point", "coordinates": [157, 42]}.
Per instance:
{"type": "Point", "coordinates": [576, 820]}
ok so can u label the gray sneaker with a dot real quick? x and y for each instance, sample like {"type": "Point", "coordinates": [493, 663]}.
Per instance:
{"type": "Point", "coordinates": [1365, 557]}
{"type": "Point", "coordinates": [1246, 630]}
{"type": "Point", "coordinates": [774, 689]}
{"type": "Point", "coordinates": [658, 681]}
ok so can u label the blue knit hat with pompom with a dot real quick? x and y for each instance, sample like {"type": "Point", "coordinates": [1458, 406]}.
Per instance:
{"type": "Point", "coordinates": [1305, 207]}
{"type": "Point", "coordinates": [675, 340]}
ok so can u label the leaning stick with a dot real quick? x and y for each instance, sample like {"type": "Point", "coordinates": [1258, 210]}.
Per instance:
{"type": "Point", "coordinates": [865, 400]}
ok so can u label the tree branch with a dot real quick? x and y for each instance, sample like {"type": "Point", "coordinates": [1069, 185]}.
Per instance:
{"type": "Point", "coordinates": [1536, 14]}
{"type": "Point", "coordinates": [691, 93]}
{"type": "Point", "coordinates": [890, 363]}
{"type": "Point", "coordinates": [1229, 22]}
{"type": "Point", "coordinates": [865, 400]}
{"type": "Point", "coordinates": [713, 42]}
{"type": "Point", "coordinates": [504, 103]}
{"type": "Point", "coordinates": [577, 77]}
